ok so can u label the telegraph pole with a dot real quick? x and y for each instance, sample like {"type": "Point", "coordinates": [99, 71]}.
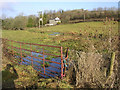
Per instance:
{"type": "Point", "coordinates": [84, 14]}
{"type": "Point", "coordinates": [39, 22]}
{"type": "Point", "coordinates": [40, 18]}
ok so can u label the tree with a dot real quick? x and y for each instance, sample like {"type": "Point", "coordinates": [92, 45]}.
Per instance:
{"type": "Point", "coordinates": [20, 22]}
{"type": "Point", "coordinates": [31, 21]}
{"type": "Point", "coordinates": [8, 23]}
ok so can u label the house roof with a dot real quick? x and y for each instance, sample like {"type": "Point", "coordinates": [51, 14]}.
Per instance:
{"type": "Point", "coordinates": [57, 19]}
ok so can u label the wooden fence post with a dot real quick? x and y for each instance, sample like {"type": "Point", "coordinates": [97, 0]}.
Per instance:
{"type": "Point", "coordinates": [21, 54]}
{"type": "Point", "coordinates": [31, 55]}
{"type": "Point", "coordinates": [43, 61]}
{"type": "Point", "coordinates": [12, 48]}
{"type": "Point", "coordinates": [112, 63]}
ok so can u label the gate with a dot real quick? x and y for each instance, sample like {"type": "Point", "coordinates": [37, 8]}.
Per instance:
{"type": "Point", "coordinates": [47, 60]}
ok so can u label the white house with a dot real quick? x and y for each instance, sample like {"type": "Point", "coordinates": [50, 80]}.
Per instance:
{"type": "Point", "coordinates": [53, 22]}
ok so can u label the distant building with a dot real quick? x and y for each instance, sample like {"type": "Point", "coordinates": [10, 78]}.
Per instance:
{"type": "Point", "coordinates": [53, 22]}
{"type": "Point", "coordinates": [57, 19]}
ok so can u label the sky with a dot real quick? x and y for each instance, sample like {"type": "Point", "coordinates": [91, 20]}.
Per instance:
{"type": "Point", "coordinates": [14, 8]}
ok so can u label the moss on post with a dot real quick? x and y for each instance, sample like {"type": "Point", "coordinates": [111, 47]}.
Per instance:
{"type": "Point", "coordinates": [112, 63]}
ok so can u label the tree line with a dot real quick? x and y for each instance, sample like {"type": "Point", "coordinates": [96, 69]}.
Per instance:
{"type": "Point", "coordinates": [69, 16]}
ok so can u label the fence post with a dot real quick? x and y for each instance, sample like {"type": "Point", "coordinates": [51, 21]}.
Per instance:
{"type": "Point", "coordinates": [6, 44]}
{"type": "Point", "coordinates": [21, 54]}
{"type": "Point", "coordinates": [12, 48]}
{"type": "Point", "coordinates": [43, 61]}
{"type": "Point", "coordinates": [61, 63]}
{"type": "Point", "coordinates": [67, 52]}
{"type": "Point", "coordinates": [66, 56]}
{"type": "Point", "coordinates": [31, 55]}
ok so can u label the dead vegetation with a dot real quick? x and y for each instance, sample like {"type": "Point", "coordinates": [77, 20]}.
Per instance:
{"type": "Point", "coordinates": [92, 70]}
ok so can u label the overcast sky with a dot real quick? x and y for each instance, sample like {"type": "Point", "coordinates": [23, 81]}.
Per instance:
{"type": "Point", "coordinates": [15, 7]}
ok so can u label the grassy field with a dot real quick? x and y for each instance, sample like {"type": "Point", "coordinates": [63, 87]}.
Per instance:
{"type": "Point", "coordinates": [87, 37]}
{"type": "Point", "coordinates": [80, 36]}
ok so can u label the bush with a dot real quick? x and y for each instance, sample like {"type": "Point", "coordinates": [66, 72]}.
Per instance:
{"type": "Point", "coordinates": [58, 23]}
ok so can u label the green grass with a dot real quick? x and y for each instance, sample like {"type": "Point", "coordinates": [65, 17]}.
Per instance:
{"type": "Point", "coordinates": [71, 35]}
{"type": "Point", "coordinates": [77, 36]}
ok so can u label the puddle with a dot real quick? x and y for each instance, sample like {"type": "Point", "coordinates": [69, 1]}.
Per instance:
{"type": "Point", "coordinates": [55, 33]}
{"type": "Point", "coordinates": [37, 65]}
